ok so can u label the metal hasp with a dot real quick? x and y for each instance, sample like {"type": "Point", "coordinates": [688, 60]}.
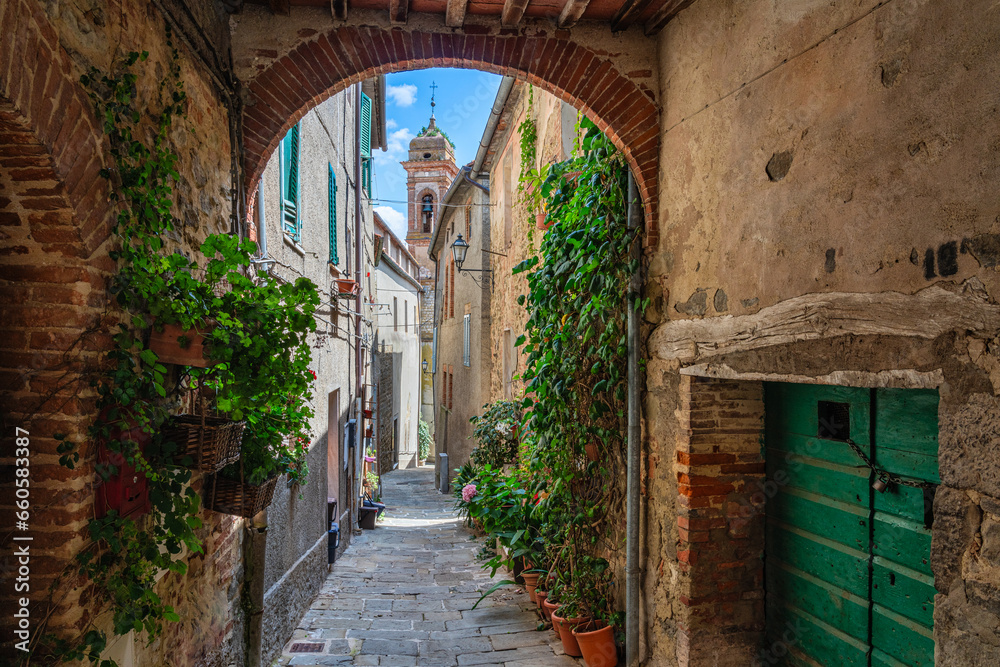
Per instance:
{"type": "Point", "coordinates": [632, 569]}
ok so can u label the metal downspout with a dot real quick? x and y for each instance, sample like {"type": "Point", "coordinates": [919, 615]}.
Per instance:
{"type": "Point", "coordinates": [506, 83]}
{"type": "Point", "coordinates": [632, 568]}
{"type": "Point", "coordinates": [358, 364]}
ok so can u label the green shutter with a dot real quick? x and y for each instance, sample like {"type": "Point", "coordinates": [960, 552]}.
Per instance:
{"type": "Point", "coordinates": [291, 223]}
{"type": "Point", "coordinates": [366, 144]}
{"type": "Point", "coordinates": [332, 203]}
{"type": "Point", "coordinates": [366, 126]}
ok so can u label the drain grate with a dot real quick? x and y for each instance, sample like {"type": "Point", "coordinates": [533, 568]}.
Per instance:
{"type": "Point", "coordinates": [306, 647]}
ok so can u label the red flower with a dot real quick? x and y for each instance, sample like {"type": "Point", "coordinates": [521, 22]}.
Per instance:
{"type": "Point", "coordinates": [313, 373]}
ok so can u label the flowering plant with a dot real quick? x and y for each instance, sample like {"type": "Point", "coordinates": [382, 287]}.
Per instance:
{"type": "Point", "coordinates": [468, 491]}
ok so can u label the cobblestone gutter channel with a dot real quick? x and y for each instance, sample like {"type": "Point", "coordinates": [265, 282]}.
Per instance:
{"type": "Point", "coordinates": [403, 594]}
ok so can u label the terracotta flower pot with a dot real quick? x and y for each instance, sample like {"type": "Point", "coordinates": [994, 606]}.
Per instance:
{"type": "Point", "coordinates": [531, 583]}
{"type": "Point", "coordinates": [597, 644]}
{"type": "Point", "coordinates": [174, 345]}
{"type": "Point", "coordinates": [540, 600]}
{"type": "Point", "coordinates": [540, 221]}
{"type": "Point", "coordinates": [548, 608]}
{"type": "Point", "coordinates": [565, 627]}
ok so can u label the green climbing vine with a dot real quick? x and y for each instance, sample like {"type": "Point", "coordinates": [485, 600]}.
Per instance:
{"type": "Point", "coordinates": [561, 503]}
{"type": "Point", "coordinates": [255, 329]}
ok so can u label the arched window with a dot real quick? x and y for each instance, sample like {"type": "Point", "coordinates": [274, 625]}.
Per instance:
{"type": "Point", "coordinates": [427, 211]}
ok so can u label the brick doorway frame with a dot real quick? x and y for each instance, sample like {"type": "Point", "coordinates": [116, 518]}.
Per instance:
{"type": "Point", "coordinates": [720, 521]}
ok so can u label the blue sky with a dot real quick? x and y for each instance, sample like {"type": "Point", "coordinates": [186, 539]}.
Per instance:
{"type": "Point", "coordinates": [464, 99]}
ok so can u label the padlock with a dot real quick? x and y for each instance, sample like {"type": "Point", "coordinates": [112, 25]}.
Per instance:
{"type": "Point", "coordinates": [880, 485]}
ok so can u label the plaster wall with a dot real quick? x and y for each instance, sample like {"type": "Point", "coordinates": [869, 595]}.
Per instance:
{"type": "Point", "coordinates": [829, 215]}
{"type": "Point", "coordinates": [295, 563]}
{"type": "Point", "coordinates": [470, 390]}
{"type": "Point", "coordinates": [403, 341]}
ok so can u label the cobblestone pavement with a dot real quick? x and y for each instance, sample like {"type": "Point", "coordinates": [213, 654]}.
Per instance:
{"type": "Point", "coordinates": [402, 594]}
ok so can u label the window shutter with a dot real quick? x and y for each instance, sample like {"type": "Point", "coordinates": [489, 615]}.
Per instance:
{"type": "Point", "coordinates": [332, 202]}
{"type": "Point", "coordinates": [291, 224]}
{"type": "Point", "coordinates": [467, 350]}
{"type": "Point", "coordinates": [366, 144]}
{"type": "Point", "coordinates": [434, 351]}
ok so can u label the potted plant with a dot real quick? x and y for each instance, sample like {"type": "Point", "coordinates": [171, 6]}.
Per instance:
{"type": "Point", "coordinates": [596, 640]}
{"type": "Point", "coordinates": [565, 618]}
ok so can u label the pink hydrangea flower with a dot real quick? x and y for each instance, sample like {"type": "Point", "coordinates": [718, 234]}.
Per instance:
{"type": "Point", "coordinates": [468, 491]}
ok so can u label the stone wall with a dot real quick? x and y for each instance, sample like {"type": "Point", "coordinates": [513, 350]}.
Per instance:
{"type": "Point", "coordinates": [830, 219]}
{"type": "Point", "coordinates": [554, 120]}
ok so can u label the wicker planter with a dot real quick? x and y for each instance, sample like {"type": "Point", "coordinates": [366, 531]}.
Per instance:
{"type": "Point", "coordinates": [231, 497]}
{"type": "Point", "coordinates": [211, 444]}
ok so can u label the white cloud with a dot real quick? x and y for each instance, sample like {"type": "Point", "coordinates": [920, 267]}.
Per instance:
{"type": "Point", "coordinates": [394, 219]}
{"type": "Point", "coordinates": [403, 96]}
{"type": "Point", "coordinates": [397, 147]}
{"type": "Point", "coordinates": [391, 124]}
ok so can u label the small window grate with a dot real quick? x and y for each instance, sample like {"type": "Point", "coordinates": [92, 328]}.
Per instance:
{"type": "Point", "coordinates": [307, 647]}
{"type": "Point", "coordinates": [834, 421]}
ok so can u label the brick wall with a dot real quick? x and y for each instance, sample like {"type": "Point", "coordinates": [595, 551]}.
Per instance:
{"type": "Point", "coordinates": [720, 522]}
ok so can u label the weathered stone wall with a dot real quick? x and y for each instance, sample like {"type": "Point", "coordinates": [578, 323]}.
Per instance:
{"type": "Point", "coordinates": [554, 144]}
{"type": "Point", "coordinates": [54, 267]}
{"type": "Point", "coordinates": [830, 216]}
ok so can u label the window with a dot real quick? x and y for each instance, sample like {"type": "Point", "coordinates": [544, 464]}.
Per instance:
{"type": "Point", "coordinates": [406, 316]}
{"type": "Point", "coordinates": [366, 144]}
{"type": "Point", "coordinates": [468, 219]}
{"type": "Point", "coordinates": [508, 364]}
{"type": "Point", "coordinates": [331, 196]}
{"type": "Point", "coordinates": [288, 159]}
{"type": "Point", "coordinates": [395, 314]}
{"type": "Point", "coordinates": [434, 350]}
{"type": "Point", "coordinates": [415, 321]}
{"type": "Point", "coordinates": [467, 346]}
{"type": "Point", "coordinates": [451, 301]}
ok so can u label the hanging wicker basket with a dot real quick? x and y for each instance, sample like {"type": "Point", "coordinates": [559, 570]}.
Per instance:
{"type": "Point", "coordinates": [211, 442]}
{"type": "Point", "coordinates": [230, 496]}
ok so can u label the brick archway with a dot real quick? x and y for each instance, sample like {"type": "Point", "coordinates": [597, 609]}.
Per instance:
{"type": "Point", "coordinates": [330, 61]}
{"type": "Point", "coordinates": [54, 224]}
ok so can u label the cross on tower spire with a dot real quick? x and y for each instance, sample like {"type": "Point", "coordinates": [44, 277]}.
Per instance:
{"type": "Point", "coordinates": [433, 92]}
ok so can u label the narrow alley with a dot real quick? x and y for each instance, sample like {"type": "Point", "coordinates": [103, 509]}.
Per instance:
{"type": "Point", "coordinates": [403, 595]}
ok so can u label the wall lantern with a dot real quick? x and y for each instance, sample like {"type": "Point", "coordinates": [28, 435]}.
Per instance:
{"type": "Point", "coordinates": [424, 364]}
{"type": "Point", "coordinates": [459, 249]}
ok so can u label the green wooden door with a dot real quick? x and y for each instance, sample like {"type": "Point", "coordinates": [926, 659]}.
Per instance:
{"type": "Point", "coordinates": [848, 579]}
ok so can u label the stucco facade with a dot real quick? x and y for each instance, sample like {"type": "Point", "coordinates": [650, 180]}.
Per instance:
{"type": "Point", "coordinates": [462, 318]}
{"type": "Point", "coordinates": [398, 327]}
{"type": "Point", "coordinates": [296, 549]}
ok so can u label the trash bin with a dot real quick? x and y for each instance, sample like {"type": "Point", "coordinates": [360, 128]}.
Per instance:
{"type": "Point", "coordinates": [332, 542]}
{"type": "Point", "coordinates": [442, 474]}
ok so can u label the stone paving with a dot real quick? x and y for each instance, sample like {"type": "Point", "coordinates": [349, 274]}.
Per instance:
{"type": "Point", "coordinates": [402, 595]}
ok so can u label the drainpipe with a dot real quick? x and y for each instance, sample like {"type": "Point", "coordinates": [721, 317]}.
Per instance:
{"type": "Point", "coordinates": [506, 83]}
{"type": "Point", "coordinates": [632, 568]}
{"type": "Point", "coordinates": [261, 221]}
{"type": "Point", "coordinates": [358, 227]}
{"type": "Point", "coordinates": [254, 558]}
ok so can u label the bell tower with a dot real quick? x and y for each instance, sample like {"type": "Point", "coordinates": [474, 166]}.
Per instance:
{"type": "Point", "coordinates": [430, 170]}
